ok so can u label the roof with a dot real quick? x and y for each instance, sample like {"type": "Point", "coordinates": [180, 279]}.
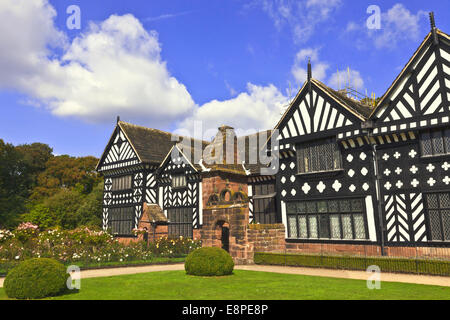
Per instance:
{"type": "Point", "coordinates": [362, 110]}
{"type": "Point", "coordinates": [405, 69]}
{"type": "Point", "coordinates": [153, 213]}
{"type": "Point", "coordinates": [151, 145]}
{"type": "Point", "coordinates": [207, 162]}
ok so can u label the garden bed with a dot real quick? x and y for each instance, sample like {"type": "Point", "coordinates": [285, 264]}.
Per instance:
{"type": "Point", "coordinates": [88, 249]}
{"type": "Point", "coordinates": [386, 264]}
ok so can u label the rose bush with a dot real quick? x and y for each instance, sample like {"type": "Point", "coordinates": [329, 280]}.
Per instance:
{"type": "Point", "coordinates": [84, 245]}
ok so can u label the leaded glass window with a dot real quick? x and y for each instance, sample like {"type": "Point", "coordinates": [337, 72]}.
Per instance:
{"type": "Point", "coordinates": [121, 221]}
{"type": "Point", "coordinates": [347, 226]}
{"type": "Point", "coordinates": [292, 226]}
{"type": "Point", "coordinates": [435, 142]}
{"type": "Point", "coordinates": [180, 222]}
{"type": "Point", "coordinates": [313, 227]}
{"type": "Point", "coordinates": [302, 225]}
{"type": "Point", "coordinates": [328, 219]}
{"type": "Point", "coordinates": [323, 155]}
{"type": "Point", "coordinates": [360, 232]}
{"type": "Point", "coordinates": [264, 208]}
{"type": "Point", "coordinates": [179, 181]}
{"type": "Point", "coordinates": [335, 226]}
{"type": "Point", "coordinates": [121, 183]}
{"type": "Point", "coordinates": [438, 205]}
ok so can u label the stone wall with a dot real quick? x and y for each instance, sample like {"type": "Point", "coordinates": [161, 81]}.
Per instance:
{"type": "Point", "coordinates": [217, 181]}
{"type": "Point", "coordinates": [235, 217]}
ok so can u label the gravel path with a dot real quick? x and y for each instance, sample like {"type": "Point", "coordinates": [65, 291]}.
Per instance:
{"type": "Point", "coordinates": [359, 275]}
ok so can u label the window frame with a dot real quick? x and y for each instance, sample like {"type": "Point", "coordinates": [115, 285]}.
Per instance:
{"type": "Point", "coordinates": [174, 179]}
{"type": "Point", "coordinates": [308, 164]}
{"type": "Point", "coordinates": [120, 183]}
{"type": "Point", "coordinates": [432, 135]}
{"type": "Point", "coordinates": [112, 217]}
{"type": "Point", "coordinates": [329, 214]}
{"type": "Point", "coordinates": [440, 210]}
{"type": "Point", "coordinates": [180, 222]}
{"type": "Point", "coordinates": [264, 203]}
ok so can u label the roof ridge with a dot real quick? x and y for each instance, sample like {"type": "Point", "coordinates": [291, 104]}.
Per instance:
{"type": "Point", "coordinates": [146, 128]}
{"type": "Point", "coordinates": [344, 99]}
{"type": "Point", "coordinates": [160, 131]}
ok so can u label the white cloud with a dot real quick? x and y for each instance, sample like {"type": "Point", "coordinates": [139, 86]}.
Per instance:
{"type": "Point", "coordinates": [114, 68]}
{"type": "Point", "coordinates": [302, 17]}
{"type": "Point", "coordinates": [299, 69]}
{"type": "Point", "coordinates": [398, 24]}
{"type": "Point", "coordinates": [320, 70]}
{"type": "Point", "coordinates": [259, 108]}
{"type": "Point", "coordinates": [353, 77]}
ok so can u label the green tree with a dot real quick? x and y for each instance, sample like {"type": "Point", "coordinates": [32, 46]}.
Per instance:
{"type": "Point", "coordinates": [65, 172]}
{"type": "Point", "coordinates": [64, 206]}
{"type": "Point", "coordinates": [90, 212]}
{"type": "Point", "coordinates": [14, 184]}
{"type": "Point", "coordinates": [41, 216]}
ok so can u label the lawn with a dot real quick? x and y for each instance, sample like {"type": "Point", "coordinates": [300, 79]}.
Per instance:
{"type": "Point", "coordinates": [5, 267]}
{"type": "Point", "coordinates": [244, 285]}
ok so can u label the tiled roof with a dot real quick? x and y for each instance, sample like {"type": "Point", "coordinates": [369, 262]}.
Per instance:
{"type": "Point", "coordinates": [362, 110]}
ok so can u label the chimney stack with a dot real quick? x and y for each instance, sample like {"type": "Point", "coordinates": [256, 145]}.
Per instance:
{"type": "Point", "coordinates": [229, 145]}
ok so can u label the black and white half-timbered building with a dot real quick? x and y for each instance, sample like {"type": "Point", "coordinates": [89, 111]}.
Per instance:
{"type": "Point", "coordinates": [356, 174]}
{"type": "Point", "coordinates": [142, 165]}
{"type": "Point", "coordinates": [349, 172]}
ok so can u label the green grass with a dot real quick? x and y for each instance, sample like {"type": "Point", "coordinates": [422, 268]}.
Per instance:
{"type": "Point", "coordinates": [244, 285]}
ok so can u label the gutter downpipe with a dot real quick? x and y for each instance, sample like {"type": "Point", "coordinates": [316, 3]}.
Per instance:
{"type": "Point", "coordinates": [368, 128]}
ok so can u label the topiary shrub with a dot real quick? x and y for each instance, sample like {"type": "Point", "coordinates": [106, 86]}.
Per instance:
{"type": "Point", "coordinates": [36, 279]}
{"type": "Point", "coordinates": [209, 262]}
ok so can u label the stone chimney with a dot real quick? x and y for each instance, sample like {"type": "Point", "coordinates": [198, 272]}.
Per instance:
{"type": "Point", "coordinates": [229, 144]}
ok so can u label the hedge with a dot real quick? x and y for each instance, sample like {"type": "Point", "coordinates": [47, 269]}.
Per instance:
{"type": "Point", "coordinates": [209, 262]}
{"type": "Point", "coordinates": [36, 279]}
{"type": "Point", "coordinates": [386, 264]}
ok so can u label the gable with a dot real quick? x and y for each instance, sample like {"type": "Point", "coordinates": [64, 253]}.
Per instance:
{"type": "Point", "coordinates": [313, 113]}
{"type": "Point", "coordinates": [181, 163]}
{"type": "Point", "coordinates": [118, 153]}
{"type": "Point", "coordinates": [423, 87]}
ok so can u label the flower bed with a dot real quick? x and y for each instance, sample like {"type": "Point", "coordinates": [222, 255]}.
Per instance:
{"type": "Point", "coordinates": [84, 246]}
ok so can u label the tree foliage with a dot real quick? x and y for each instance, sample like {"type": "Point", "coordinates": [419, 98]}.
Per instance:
{"type": "Point", "coordinates": [48, 190]}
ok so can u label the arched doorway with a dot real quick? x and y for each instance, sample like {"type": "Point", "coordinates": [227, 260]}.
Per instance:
{"type": "Point", "coordinates": [224, 228]}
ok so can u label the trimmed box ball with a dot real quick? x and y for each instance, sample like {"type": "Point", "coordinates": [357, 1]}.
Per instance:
{"type": "Point", "coordinates": [209, 262]}
{"type": "Point", "coordinates": [36, 279]}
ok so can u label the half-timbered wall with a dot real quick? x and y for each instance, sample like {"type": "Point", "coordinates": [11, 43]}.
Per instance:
{"type": "Point", "coordinates": [120, 161]}
{"type": "Point", "coordinates": [186, 197]}
{"type": "Point", "coordinates": [354, 181]}
{"type": "Point", "coordinates": [417, 102]}
{"type": "Point", "coordinates": [314, 114]}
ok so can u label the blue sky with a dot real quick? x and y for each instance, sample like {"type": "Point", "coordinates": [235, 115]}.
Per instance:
{"type": "Point", "coordinates": [165, 64]}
